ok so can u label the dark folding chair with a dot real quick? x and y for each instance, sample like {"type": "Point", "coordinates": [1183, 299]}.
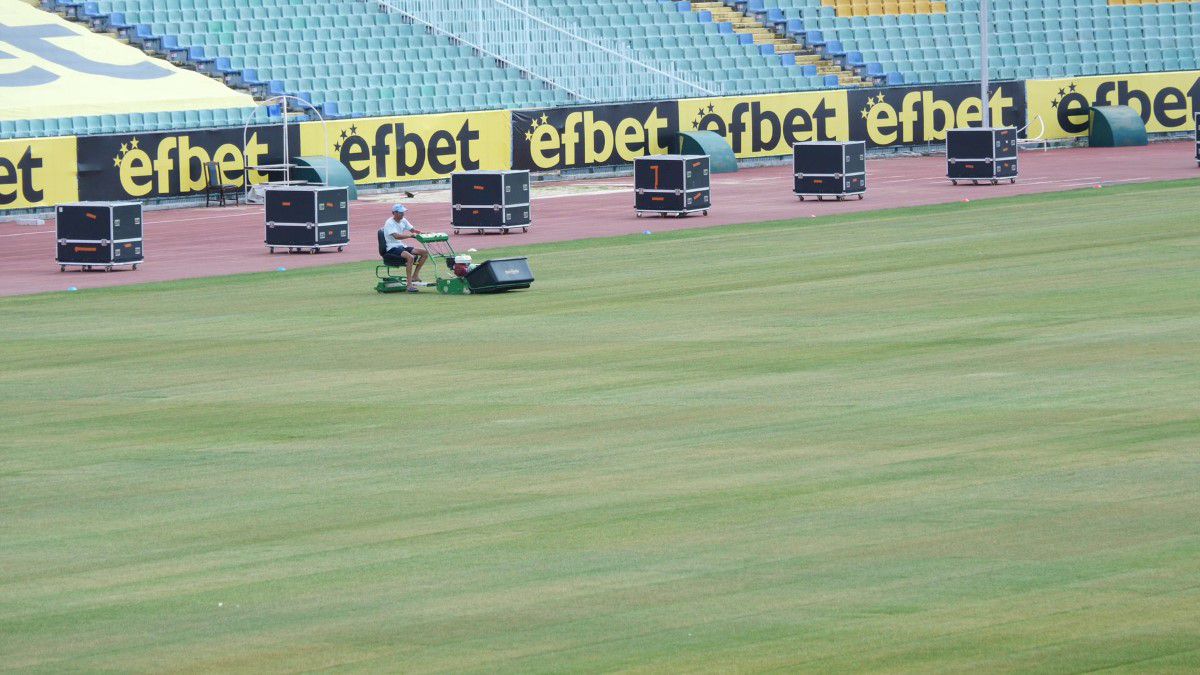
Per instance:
{"type": "Point", "coordinates": [216, 189]}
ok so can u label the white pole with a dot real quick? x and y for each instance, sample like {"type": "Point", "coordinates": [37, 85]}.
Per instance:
{"type": "Point", "coordinates": [984, 29]}
{"type": "Point", "coordinates": [287, 168]}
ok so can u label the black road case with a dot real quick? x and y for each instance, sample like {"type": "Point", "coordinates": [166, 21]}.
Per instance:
{"type": "Point", "coordinates": [976, 155]}
{"type": "Point", "coordinates": [671, 185]}
{"type": "Point", "coordinates": [490, 200]}
{"type": "Point", "coordinates": [99, 234]}
{"type": "Point", "coordinates": [829, 169]}
{"type": "Point", "coordinates": [307, 217]}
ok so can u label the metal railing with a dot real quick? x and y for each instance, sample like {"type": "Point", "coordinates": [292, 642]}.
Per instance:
{"type": "Point", "coordinates": [589, 68]}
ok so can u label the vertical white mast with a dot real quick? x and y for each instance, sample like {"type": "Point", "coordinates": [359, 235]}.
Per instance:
{"type": "Point", "coordinates": [984, 28]}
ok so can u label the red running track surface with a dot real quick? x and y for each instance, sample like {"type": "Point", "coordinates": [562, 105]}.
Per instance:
{"type": "Point", "coordinates": [200, 242]}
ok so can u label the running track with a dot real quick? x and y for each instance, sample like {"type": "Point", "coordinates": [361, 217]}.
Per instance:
{"type": "Point", "coordinates": [201, 242]}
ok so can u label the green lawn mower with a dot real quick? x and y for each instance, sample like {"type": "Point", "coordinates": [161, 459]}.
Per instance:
{"type": "Point", "coordinates": [451, 281]}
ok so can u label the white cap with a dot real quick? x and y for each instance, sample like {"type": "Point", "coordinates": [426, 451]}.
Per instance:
{"type": "Point", "coordinates": [398, 208]}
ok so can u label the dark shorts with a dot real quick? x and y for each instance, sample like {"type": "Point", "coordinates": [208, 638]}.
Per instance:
{"type": "Point", "coordinates": [395, 251]}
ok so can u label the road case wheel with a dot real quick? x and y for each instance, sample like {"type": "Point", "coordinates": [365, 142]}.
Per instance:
{"type": "Point", "coordinates": [504, 230]}
{"type": "Point", "coordinates": [801, 197]}
{"type": "Point", "coordinates": [108, 268]}
{"type": "Point", "coordinates": [341, 248]}
{"type": "Point", "coordinates": [456, 232]}
{"type": "Point", "coordinates": [953, 181]}
{"type": "Point", "coordinates": [860, 196]}
{"type": "Point", "coordinates": [841, 198]}
{"type": "Point", "coordinates": [271, 249]}
{"type": "Point", "coordinates": [639, 213]}
{"type": "Point", "coordinates": [314, 250]}
{"type": "Point", "coordinates": [995, 182]}
{"type": "Point", "coordinates": [706, 212]}
{"type": "Point", "coordinates": [1012, 181]}
{"type": "Point", "coordinates": [135, 266]}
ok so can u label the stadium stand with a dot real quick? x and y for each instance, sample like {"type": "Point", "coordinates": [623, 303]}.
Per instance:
{"type": "Point", "coordinates": [352, 58]}
{"type": "Point", "coordinates": [934, 41]}
{"type": "Point", "coordinates": [282, 46]}
{"type": "Point", "coordinates": [694, 40]}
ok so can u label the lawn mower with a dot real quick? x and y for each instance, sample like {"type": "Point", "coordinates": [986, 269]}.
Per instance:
{"type": "Point", "coordinates": [451, 281]}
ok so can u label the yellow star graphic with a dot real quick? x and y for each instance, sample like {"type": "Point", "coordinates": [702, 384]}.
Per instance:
{"type": "Point", "coordinates": [545, 118]}
{"type": "Point", "coordinates": [133, 142]}
{"type": "Point", "coordinates": [116, 161]}
{"type": "Point", "coordinates": [528, 135]}
{"type": "Point", "coordinates": [880, 98]}
{"type": "Point", "coordinates": [124, 148]}
{"type": "Point", "coordinates": [864, 113]}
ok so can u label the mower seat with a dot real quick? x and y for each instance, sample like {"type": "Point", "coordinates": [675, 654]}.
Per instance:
{"type": "Point", "coordinates": [389, 260]}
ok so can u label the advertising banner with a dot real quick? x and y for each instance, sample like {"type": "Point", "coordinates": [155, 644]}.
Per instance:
{"type": "Point", "coordinates": [1165, 101]}
{"type": "Point", "coordinates": [569, 138]}
{"type": "Point", "coordinates": [37, 172]}
{"type": "Point", "coordinates": [171, 164]}
{"type": "Point", "coordinates": [758, 126]}
{"type": "Point", "coordinates": [419, 147]}
{"type": "Point", "coordinates": [921, 114]}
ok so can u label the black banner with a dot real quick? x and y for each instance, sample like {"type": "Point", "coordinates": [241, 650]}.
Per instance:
{"type": "Point", "coordinates": [169, 164]}
{"type": "Point", "coordinates": [921, 114]}
{"type": "Point", "coordinates": [567, 138]}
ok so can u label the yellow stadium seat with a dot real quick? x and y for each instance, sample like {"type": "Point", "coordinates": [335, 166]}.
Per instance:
{"type": "Point", "coordinates": [849, 8]}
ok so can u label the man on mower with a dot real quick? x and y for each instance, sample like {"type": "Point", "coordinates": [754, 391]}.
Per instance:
{"type": "Point", "coordinates": [396, 230]}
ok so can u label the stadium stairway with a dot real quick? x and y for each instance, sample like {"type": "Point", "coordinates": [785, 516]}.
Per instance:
{"type": "Point", "coordinates": [750, 18]}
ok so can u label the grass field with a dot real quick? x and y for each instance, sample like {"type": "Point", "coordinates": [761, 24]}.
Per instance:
{"type": "Point", "coordinates": [950, 438]}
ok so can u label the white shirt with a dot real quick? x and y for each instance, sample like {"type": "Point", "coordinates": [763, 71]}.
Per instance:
{"type": "Point", "coordinates": [391, 229]}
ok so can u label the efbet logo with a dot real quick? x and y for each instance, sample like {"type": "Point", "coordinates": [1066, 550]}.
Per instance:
{"type": "Point", "coordinates": [17, 179]}
{"type": "Point", "coordinates": [920, 116]}
{"type": "Point", "coordinates": [175, 166]}
{"type": "Point", "coordinates": [394, 152]}
{"type": "Point", "coordinates": [753, 127]}
{"type": "Point", "coordinates": [583, 138]}
{"type": "Point", "coordinates": [1166, 105]}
